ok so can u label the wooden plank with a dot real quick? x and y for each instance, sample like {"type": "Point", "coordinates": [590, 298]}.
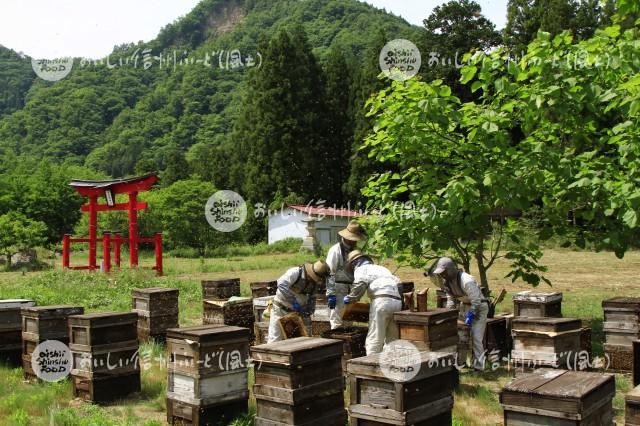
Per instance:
{"type": "Point", "coordinates": [300, 413]}
{"type": "Point", "coordinates": [392, 417]}
{"type": "Point", "coordinates": [628, 303]}
{"type": "Point", "coordinates": [294, 378]}
{"type": "Point", "coordinates": [547, 325]}
{"type": "Point", "coordinates": [435, 316]}
{"type": "Point", "coordinates": [297, 351]}
{"type": "Point", "coordinates": [300, 395]}
{"type": "Point", "coordinates": [332, 418]}
{"type": "Point", "coordinates": [538, 297]}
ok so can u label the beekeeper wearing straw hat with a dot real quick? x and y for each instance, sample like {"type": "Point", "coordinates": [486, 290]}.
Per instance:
{"type": "Point", "coordinates": [458, 284]}
{"type": "Point", "coordinates": [340, 281]}
{"type": "Point", "coordinates": [297, 290]}
{"type": "Point", "coordinates": [382, 288]}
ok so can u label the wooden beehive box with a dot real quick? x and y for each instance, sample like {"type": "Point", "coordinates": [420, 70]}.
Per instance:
{"type": "Point", "coordinates": [10, 314]}
{"type": "Point", "coordinates": [156, 301]}
{"type": "Point", "coordinates": [559, 397]}
{"type": "Point", "coordinates": [106, 389]}
{"type": "Point", "coordinates": [632, 410]}
{"type": "Point", "coordinates": [156, 327]}
{"type": "Point", "coordinates": [636, 363]}
{"type": "Point", "coordinates": [200, 350]}
{"type": "Point", "coordinates": [377, 399]}
{"type": "Point", "coordinates": [90, 332]}
{"type": "Point", "coordinates": [537, 305]}
{"type": "Point", "coordinates": [497, 341]}
{"type": "Point", "coordinates": [545, 341]}
{"type": "Point", "coordinates": [210, 388]}
{"type": "Point", "coordinates": [222, 312]}
{"type": "Point", "coordinates": [182, 413]}
{"type": "Point", "coordinates": [299, 381]}
{"type": "Point", "coordinates": [221, 289]}
{"type": "Point", "coordinates": [441, 299]}
{"type": "Point", "coordinates": [353, 339]}
{"type": "Point", "coordinates": [621, 329]}
{"type": "Point", "coordinates": [40, 323]}
{"type": "Point", "coordinates": [260, 305]}
{"type": "Point", "coordinates": [107, 361]}
{"type": "Point", "coordinates": [432, 330]}
{"type": "Point", "coordinates": [263, 288]}
{"type": "Point", "coordinates": [356, 312]}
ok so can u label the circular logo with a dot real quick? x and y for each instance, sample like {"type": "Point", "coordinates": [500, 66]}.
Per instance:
{"type": "Point", "coordinates": [52, 69]}
{"type": "Point", "coordinates": [400, 59]}
{"type": "Point", "coordinates": [226, 211]}
{"type": "Point", "coordinates": [400, 361]}
{"type": "Point", "coordinates": [51, 360]}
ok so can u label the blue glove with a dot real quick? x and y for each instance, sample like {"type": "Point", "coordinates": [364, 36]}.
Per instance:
{"type": "Point", "coordinates": [331, 302]}
{"type": "Point", "coordinates": [297, 307]}
{"type": "Point", "coordinates": [468, 321]}
{"type": "Point", "coordinates": [346, 300]}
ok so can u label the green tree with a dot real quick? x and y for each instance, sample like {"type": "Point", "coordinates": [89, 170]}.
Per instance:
{"type": "Point", "coordinates": [19, 233]}
{"type": "Point", "coordinates": [548, 131]}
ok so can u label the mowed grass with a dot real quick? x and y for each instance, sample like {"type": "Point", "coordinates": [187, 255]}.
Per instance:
{"type": "Point", "coordinates": [585, 279]}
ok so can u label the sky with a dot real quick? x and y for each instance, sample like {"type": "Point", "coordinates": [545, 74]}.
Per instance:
{"type": "Point", "coordinates": [48, 29]}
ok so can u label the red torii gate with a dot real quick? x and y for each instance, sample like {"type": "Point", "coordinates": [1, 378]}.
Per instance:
{"type": "Point", "coordinates": [109, 189]}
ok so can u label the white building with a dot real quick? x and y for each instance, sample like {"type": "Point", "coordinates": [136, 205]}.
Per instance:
{"type": "Point", "coordinates": [289, 222]}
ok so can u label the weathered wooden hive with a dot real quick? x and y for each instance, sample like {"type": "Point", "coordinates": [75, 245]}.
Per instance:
{"type": "Point", "coordinates": [40, 323]}
{"type": "Point", "coordinates": [550, 342]}
{"type": "Point", "coordinates": [220, 289]}
{"type": "Point", "coordinates": [261, 332]}
{"type": "Point", "coordinates": [621, 329]}
{"type": "Point", "coordinates": [353, 339]}
{"type": "Point", "coordinates": [435, 330]}
{"type": "Point", "coordinates": [377, 398]}
{"type": "Point", "coordinates": [559, 397]}
{"type": "Point", "coordinates": [537, 305]}
{"type": "Point", "coordinates": [207, 374]}
{"type": "Point", "coordinates": [11, 330]}
{"type": "Point", "coordinates": [632, 408]}
{"type": "Point", "coordinates": [157, 310]}
{"type": "Point", "coordinates": [236, 311]}
{"type": "Point", "coordinates": [497, 341]}
{"type": "Point", "coordinates": [263, 288]}
{"type": "Point", "coordinates": [441, 299]}
{"type": "Point", "coordinates": [104, 347]}
{"type": "Point", "coordinates": [299, 382]}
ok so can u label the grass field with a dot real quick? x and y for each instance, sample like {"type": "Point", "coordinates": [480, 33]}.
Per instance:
{"type": "Point", "coordinates": [585, 278]}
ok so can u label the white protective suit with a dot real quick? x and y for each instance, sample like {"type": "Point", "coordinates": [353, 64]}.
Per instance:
{"type": "Point", "coordinates": [466, 286]}
{"type": "Point", "coordinates": [339, 282]}
{"type": "Point", "coordinates": [292, 287]}
{"type": "Point", "coordinates": [382, 287]}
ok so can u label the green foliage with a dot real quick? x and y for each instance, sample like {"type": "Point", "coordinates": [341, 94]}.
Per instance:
{"type": "Point", "coordinates": [19, 233]}
{"type": "Point", "coordinates": [547, 130]}
{"type": "Point", "coordinates": [16, 77]}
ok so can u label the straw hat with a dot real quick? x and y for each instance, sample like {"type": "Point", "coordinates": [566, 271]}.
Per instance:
{"type": "Point", "coordinates": [317, 271]}
{"type": "Point", "coordinates": [355, 255]}
{"type": "Point", "coordinates": [354, 232]}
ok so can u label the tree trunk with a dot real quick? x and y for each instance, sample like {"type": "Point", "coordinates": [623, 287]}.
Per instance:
{"type": "Point", "coordinates": [482, 270]}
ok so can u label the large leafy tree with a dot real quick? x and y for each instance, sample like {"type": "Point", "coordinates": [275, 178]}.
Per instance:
{"type": "Point", "coordinates": [558, 129]}
{"type": "Point", "coordinates": [18, 233]}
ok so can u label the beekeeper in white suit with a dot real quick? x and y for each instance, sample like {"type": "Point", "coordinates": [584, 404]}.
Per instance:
{"type": "Point", "coordinates": [340, 281]}
{"type": "Point", "coordinates": [458, 284]}
{"type": "Point", "coordinates": [382, 287]}
{"type": "Point", "coordinates": [297, 290]}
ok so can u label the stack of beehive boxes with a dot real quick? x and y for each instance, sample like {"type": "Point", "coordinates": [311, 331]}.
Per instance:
{"type": "Point", "coordinates": [299, 382]}
{"type": "Point", "coordinates": [496, 341]}
{"type": "Point", "coordinates": [105, 356]}
{"type": "Point", "coordinates": [353, 342]}
{"type": "Point", "coordinates": [435, 330]}
{"type": "Point", "coordinates": [384, 391]}
{"type": "Point", "coordinates": [224, 306]}
{"type": "Point", "coordinates": [559, 397]}
{"type": "Point", "coordinates": [157, 310]}
{"type": "Point", "coordinates": [207, 374]}
{"type": "Point", "coordinates": [537, 305]}
{"type": "Point", "coordinates": [621, 329]}
{"type": "Point", "coordinates": [11, 330]}
{"type": "Point", "coordinates": [551, 342]}
{"type": "Point", "coordinates": [41, 323]}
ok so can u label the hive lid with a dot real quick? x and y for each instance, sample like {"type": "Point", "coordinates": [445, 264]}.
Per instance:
{"type": "Point", "coordinates": [537, 297]}
{"type": "Point", "coordinates": [430, 364]}
{"type": "Point", "coordinates": [155, 290]}
{"type": "Point", "coordinates": [209, 333]}
{"type": "Point", "coordinates": [16, 303]}
{"type": "Point", "coordinates": [104, 318]}
{"type": "Point", "coordinates": [236, 300]}
{"type": "Point", "coordinates": [52, 310]}
{"type": "Point", "coordinates": [298, 351]}
{"type": "Point", "coordinates": [548, 325]}
{"type": "Point", "coordinates": [221, 282]}
{"type": "Point", "coordinates": [430, 317]}
{"type": "Point", "coordinates": [559, 383]}
{"type": "Point", "coordinates": [634, 395]}
{"type": "Point", "coordinates": [631, 303]}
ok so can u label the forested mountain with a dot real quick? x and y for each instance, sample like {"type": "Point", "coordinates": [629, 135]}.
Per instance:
{"type": "Point", "coordinates": [120, 118]}
{"type": "Point", "coordinates": [15, 79]}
